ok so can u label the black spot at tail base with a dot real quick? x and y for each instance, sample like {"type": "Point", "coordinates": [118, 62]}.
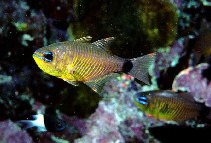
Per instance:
{"type": "Point", "coordinates": [127, 66]}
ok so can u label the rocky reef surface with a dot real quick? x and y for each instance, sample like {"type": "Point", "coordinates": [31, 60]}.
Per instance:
{"type": "Point", "coordinates": [177, 30]}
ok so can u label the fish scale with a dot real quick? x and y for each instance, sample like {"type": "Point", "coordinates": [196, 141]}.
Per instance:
{"type": "Point", "coordinates": [177, 111]}
{"type": "Point", "coordinates": [87, 71]}
{"type": "Point", "coordinates": [95, 64]}
{"type": "Point", "coordinates": [168, 105]}
{"type": "Point", "coordinates": [86, 58]}
{"type": "Point", "coordinates": [92, 59]}
{"type": "Point", "coordinates": [91, 63]}
{"type": "Point", "coordinates": [80, 62]}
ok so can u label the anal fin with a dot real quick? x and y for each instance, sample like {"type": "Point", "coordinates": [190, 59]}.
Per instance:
{"type": "Point", "coordinates": [98, 84]}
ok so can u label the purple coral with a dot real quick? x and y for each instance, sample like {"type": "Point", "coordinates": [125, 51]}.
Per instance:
{"type": "Point", "coordinates": [168, 57]}
{"type": "Point", "coordinates": [28, 22]}
{"type": "Point", "coordinates": [191, 80]}
{"type": "Point", "coordinates": [117, 119]}
{"type": "Point", "coordinates": [177, 3]}
{"type": "Point", "coordinates": [11, 133]}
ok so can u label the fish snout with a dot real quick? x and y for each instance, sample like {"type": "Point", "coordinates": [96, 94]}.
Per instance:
{"type": "Point", "coordinates": [37, 54]}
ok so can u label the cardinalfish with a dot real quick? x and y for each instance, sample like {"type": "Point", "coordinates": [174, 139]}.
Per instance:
{"type": "Point", "coordinates": [202, 47]}
{"type": "Point", "coordinates": [81, 61]}
{"type": "Point", "coordinates": [168, 105]}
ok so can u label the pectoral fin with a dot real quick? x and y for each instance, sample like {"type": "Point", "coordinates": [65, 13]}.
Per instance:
{"type": "Point", "coordinates": [75, 79]}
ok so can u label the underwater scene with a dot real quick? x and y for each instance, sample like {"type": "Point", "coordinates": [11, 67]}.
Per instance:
{"type": "Point", "coordinates": [105, 71]}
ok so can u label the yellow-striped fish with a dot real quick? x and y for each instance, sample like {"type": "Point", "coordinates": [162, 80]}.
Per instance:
{"type": "Point", "coordinates": [168, 105]}
{"type": "Point", "coordinates": [90, 63]}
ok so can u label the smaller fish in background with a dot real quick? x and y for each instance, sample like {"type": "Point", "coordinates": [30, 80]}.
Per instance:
{"type": "Point", "coordinates": [43, 123]}
{"type": "Point", "coordinates": [202, 47]}
{"type": "Point", "coordinates": [168, 105]}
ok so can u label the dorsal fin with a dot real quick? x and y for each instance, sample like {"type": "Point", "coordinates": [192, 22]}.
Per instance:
{"type": "Point", "coordinates": [187, 96]}
{"type": "Point", "coordinates": [84, 39]}
{"type": "Point", "coordinates": [104, 43]}
{"type": "Point", "coordinates": [166, 93]}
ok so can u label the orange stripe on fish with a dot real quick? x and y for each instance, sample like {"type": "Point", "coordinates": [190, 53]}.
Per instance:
{"type": "Point", "coordinates": [91, 63]}
{"type": "Point", "coordinates": [168, 105]}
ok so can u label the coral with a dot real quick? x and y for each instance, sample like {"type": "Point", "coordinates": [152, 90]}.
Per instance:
{"type": "Point", "coordinates": [191, 13]}
{"type": "Point", "coordinates": [191, 80]}
{"type": "Point", "coordinates": [168, 57]}
{"type": "Point", "coordinates": [137, 25]}
{"type": "Point", "coordinates": [206, 3]}
{"type": "Point", "coordinates": [15, 106]}
{"type": "Point", "coordinates": [189, 17]}
{"type": "Point", "coordinates": [177, 3]}
{"type": "Point", "coordinates": [58, 14]}
{"type": "Point", "coordinates": [17, 19]}
{"type": "Point", "coordinates": [117, 119]}
{"type": "Point", "coordinates": [11, 133]}
{"type": "Point", "coordinates": [5, 79]}
{"type": "Point", "coordinates": [151, 16]}
{"type": "Point", "coordinates": [166, 65]}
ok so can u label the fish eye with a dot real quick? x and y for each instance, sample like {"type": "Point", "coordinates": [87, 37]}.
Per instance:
{"type": "Point", "coordinates": [60, 125]}
{"type": "Point", "coordinates": [142, 100]}
{"type": "Point", "coordinates": [48, 56]}
{"type": "Point", "coordinates": [53, 123]}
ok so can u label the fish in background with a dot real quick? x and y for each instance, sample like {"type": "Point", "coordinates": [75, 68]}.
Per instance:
{"type": "Point", "coordinates": [43, 123]}
{"type": "Point", "coordinates": [168, 105]}
{"type": "Point", "coordinates": [93, 64]}
{"type": "Point", "coordinates": [202, 47]}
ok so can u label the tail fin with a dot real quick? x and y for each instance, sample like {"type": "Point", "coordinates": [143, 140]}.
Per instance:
{"type": "Point", "coordinates": [140, 67]}
{"type": "Point", "coordinates": [37, 121]}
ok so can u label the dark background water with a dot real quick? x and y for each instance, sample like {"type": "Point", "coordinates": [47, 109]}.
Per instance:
{"type": "Point", "coordinates": [140, 27]}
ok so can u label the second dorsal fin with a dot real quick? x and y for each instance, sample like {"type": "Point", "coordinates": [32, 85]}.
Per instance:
{"type": "Point", "coordinates": [104, 43]}
{"type": "Point", "coordinates": [84, 39]}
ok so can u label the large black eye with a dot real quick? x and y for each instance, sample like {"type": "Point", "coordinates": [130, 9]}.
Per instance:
{"type": "Point", "coordinates": [48, 56]}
